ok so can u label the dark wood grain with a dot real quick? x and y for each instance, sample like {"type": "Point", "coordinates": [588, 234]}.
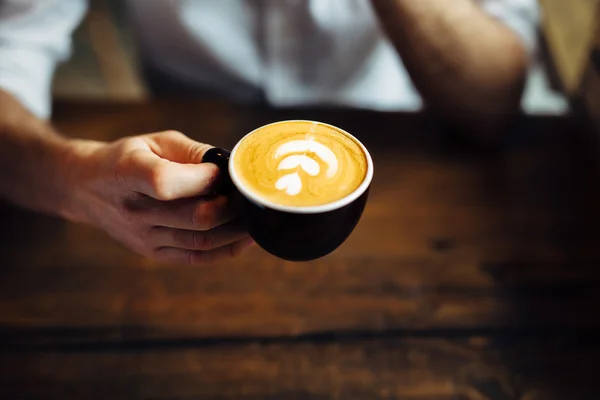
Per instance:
{"type": "Point", "coordinates": [453, 237]}
{"type": "Point", "coordinates": [473, 275]}
{"type": "Point", "coordinates": [476, 368]}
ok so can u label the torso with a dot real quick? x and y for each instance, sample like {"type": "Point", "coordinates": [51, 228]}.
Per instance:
{"type": "Point", "coordinates": [294, 52]}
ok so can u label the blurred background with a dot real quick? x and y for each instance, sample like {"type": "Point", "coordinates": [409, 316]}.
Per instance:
{"type": "Point", "coordinates": [473, 274]}
{"type": "Point", "coordinates": [104, 64]}
{"type": "Point", "coordinates": [104, 61]}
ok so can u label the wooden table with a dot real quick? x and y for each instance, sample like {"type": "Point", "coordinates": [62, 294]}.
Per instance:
{"type": "Point", "coordinates": [473, 275]}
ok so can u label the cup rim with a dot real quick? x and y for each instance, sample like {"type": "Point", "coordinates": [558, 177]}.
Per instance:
{"type": "Point", "coordinates": [334, 205]}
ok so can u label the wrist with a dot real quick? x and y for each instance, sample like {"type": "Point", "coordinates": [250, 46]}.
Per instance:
{"type": "Point", "coordinates": [76, 156]}
{"type": "Point", "coordinates": [39, 167]}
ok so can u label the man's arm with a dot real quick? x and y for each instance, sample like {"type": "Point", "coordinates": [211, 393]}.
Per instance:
{"type": "Point", "coordinates": [35, 170]}
{"type": "Point", "coordinates": [147, 191]}
{"type": "Point", "coordinates": [468, 67]}
{"type": "Point", "coordinates": [151, 192]}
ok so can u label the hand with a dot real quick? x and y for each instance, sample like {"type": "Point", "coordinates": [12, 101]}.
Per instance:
{"type": "Point", "coordinates": [151, 193]}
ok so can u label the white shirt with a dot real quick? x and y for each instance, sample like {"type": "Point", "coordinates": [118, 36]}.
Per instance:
{"type": "Point", "coordinates": [296, 52]}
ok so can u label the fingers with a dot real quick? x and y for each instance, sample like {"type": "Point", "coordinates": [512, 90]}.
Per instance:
{"type": "Point", "coordinates": [145, 172]}
{"type": "Point", "coordinates": [196, 240]}
{"type": "Point", "coordinates": [197, 214]}
{"type": "Point", "coordinates": [194, 257]}
{"type": "Point", "coordinates": [175, 146]}
{"type": "Point", "coordinates": [168, 168]}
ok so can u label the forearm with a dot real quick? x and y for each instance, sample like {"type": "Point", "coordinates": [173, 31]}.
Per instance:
{"type": "Point", "coordinates": [151, 192]}
{"type": "Point", "coordinates": [467, 66]}
{"type": "Point", "coordinates": [35, 161]}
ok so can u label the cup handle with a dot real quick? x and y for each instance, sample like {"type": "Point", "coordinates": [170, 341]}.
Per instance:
{"type": "Point", "coordinates": [220, 157]}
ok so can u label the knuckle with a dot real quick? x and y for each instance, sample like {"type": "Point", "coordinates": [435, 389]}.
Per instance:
{"type": "Point", "coordinates": [129, 147]}
{"type": "Point", "coordinates": [204, 240]}
{"type": "Point", "coordinates": [204, 217]}
{"type": "Point", "coordinates": [123, 167]}
{"type": "Point", "coordinates": [132, 143]}
{"type": "Point", "coordinates": [173, 134]}
{"type": "Point", "coordinates": [184, 239]}
{"type": "Point", "coordinates": [126, 160]}
{"type": "Point", "coordinates": [158, 182]}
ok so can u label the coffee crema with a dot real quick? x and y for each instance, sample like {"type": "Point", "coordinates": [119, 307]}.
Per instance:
{"type": "Point", "coordinates": [300, 163]}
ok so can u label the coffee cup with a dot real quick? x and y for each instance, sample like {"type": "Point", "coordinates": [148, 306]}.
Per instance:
{"type": "Point", "coordinates": [299, 187]}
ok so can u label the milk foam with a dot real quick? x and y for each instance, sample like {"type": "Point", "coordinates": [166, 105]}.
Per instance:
{"type": "Point", "coordinates": [304, 146]}
{"type": "Point", "coordinates": [306, 163]}
{"type": "Point", "coordinates": [292, 183]}
{"type": "Point", "coordinates": [300, 163]}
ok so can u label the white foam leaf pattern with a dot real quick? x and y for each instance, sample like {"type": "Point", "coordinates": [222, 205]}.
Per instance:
{"type": "Point", "coordinates": [308, 164]}
{"type": "Point", "coordinates": [291, 183]}
{"type": "Point", "coordinates": [303, 146]}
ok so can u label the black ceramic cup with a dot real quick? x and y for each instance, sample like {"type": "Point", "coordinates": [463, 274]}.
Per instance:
{"type": "Point", "coordinates": [294, 233]}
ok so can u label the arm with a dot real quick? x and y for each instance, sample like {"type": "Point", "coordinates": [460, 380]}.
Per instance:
{"type": "Point", "coordinates": [148, 191]}
{"type": "Point", "coordinates": [35, 172]}
{"type": "Point", "coordinates": [468, 67]}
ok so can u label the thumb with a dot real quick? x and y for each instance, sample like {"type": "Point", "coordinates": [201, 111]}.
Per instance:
{"type": "Point", "coordinates": [175, 146]}
{"type": "Point", "coordinates": [171, 168]}
{"type": "Point", "coordinates": [147, 173]}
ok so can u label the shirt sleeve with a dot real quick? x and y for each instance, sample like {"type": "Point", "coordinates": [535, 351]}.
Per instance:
{"type": "Point", "coordinates": [34, 36]}
{"type": "Point", "coordinates": [522, 16]}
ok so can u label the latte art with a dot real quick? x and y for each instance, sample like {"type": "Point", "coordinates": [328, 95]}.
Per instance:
{"type": "Point", "coordinates": [300, 163]}
{"type": "Point", "coordinates": [292, 183]}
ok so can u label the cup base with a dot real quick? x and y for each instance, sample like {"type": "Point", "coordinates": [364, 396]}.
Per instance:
{"type": "Point", "coordinates": [301, 237]}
